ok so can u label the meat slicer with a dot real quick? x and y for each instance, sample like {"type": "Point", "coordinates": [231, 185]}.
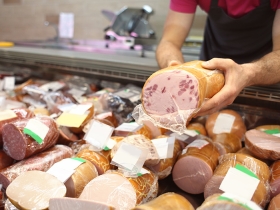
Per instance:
{"type": "Point", "coordinates": [129, 25]}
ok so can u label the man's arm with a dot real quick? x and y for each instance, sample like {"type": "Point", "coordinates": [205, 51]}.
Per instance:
{"type": "Point", "coordinates": [176, 29]}
{"type": "Point", "coordinates": [264, 71]}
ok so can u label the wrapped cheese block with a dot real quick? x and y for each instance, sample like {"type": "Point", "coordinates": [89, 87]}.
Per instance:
{"type": "Point", "coordinates": [83, 174]}
{"type": "Point", "coordinates": [113, 189]}
{"type": "Point", "coordinates": [165, 166]}
{"type": "Point", "coordinates": [274, 203]}
{"type": "Point", "coordinates": [275, 178]}
{"type": "Point", "coordinates": [42, 162]}
{"type": "Point", "coordinates": [195, 166]}
{"type": "Point", "coordinates": [33, 190]}
{"type": "Point", "coordinates": [263, 145]}
{"type": "Point", "coordinates": [227, 202]}
{"type": "Point", "coordinates": [145, 186]}
{"type": "Point", "coordinates": [101, 163]}
{"type": "Point", "coordinates": [19, 145]}
{"type": "Point", "coordinates": [166, 201]}
{"type": "Point", "coordinates": [142, 142]}
{"type": "Point", "coordinates": [12, 115]}
{"type": "Point", "coordinates": [172, 96]}
{"type": "Point", "coordinates": [225, 121]}
{"type": "Point", "coordinates": [90, 115]}
{"type": "Point", "coordinates": [5, 160]}
{"type": "Point", "coordinates": [259, 168]}
{"type": "Point", "coordinates": [77, 204]}
{"type": "Point", "coordinates": [227, 143]}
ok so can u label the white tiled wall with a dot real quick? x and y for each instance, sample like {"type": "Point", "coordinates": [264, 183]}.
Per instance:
{"type": "Point", "coordinates": [24, 19]}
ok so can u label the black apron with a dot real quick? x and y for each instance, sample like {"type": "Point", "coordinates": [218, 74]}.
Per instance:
{"type": "Point", "coordinates": [242, 39]}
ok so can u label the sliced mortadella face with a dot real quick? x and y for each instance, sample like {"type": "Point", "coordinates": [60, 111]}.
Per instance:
{"type": "Point", "coordinates": [170, 92]}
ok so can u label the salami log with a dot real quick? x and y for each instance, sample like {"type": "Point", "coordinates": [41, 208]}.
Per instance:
{"type": "Point", "coordinates": [10, 117]}
{"type": "Point", "coordinates": [275, 179]}
{"type": "Point", "coordinates": [263, 145]}
{"type": "Point", "coordinates": [172, 95]}
{"type": "Point", "coordinates": [274, 203]}
{"type": "Point", "coordinates": [19, 145]}
{"type": "Point", "coordinates": [166, 201]}
{"type": "Point", "coordinates": [227, 143]}
{"type": "Point", "coordinates": [42, 162]}
{"type": "Point", "coordinates": [195, 166]}
{"type": "Point", "coordinates": [5, 160]}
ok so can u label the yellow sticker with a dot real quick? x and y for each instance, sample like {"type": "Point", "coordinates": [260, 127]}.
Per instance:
{"type": "Point", "coordinates": [71, 120]}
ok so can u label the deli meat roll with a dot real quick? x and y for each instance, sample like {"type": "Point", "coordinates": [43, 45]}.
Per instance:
{"type": "Point", "coordinates": [20, 145]}
{"type": "Point", "coordinates": [172, 96]}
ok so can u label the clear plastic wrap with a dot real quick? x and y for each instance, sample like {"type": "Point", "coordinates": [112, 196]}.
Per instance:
{"type": "Point", "coordinates": [261, 195]}
{"type": "Point", "coordinates": [172, 96]}
{"type": "Point", "coordinates": [33, 190]}
{"type": "Point", "coordinates": [166, 201]}
{"type": "Point", "coordinates": [41, 162]}
{"type": "Point", "coordinates": [112, 189]}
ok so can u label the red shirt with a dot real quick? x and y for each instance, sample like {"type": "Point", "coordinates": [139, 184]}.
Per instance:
{"type": "Point", "coordinates": [234, 8]}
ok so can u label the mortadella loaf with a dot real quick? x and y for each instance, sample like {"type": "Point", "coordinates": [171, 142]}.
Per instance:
{"type": "Point", "coordinates": [172, 95]}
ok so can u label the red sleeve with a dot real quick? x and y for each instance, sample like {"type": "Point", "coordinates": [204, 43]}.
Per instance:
{"type": "Point", "coordinates": [184, 6]}
{"type": "Point", "coordinates": [275, 4]}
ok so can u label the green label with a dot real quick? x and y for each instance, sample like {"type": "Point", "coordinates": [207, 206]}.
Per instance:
{"type": "Point", "coordinates": [272, 131]}
{"type": "Point", "coordinates": [79, 159]}
{"type": "Point", "coordinates": [223, 198]}
{"type": "Point", "coordinates": [139, 174]}
{"type": "Point", "coordinates": [33, 135]}
{"type": "Point", "coordinates": [106, 148]}
{"type": "Point", "coordinates": [197, 131]}
{"type": "Point", "coordinates": [246, 170]}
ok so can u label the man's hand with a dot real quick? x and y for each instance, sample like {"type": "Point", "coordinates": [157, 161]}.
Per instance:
{"type": "Point", "coordinates": [236, 78]}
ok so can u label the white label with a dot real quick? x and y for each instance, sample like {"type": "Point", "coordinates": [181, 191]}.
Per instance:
{"type": "Point", "coordinates": [276, 134]}
{"type": "Point", "coordinates": [223, 123]}
{"type": "Point", "coordinates": [239, 200]}
{"type": "Point", "coordinates": [7, 114]}
{"type": "Point", "coordinates": [199, 143]}
{"type": "Point", "coordinates": [144, 171]}
{"type": "Point", "coordinates": [2, 102]}
{"type": "Point", "coordinates": [66, 107]}
{"type": "Point", "coordinates": [129, 127]}
{"type": "Point", "coordinates": [52, 86]}
{"type": "Point", "coordinates": [37, 127]}
{"type": "Point", "coordinates": [111, 143]}
{"type": "Point", "coordinates": [64, 169]}
{"type": "Point", "coordinates": [130, 157]}
{"type": "Point", "coordinates": [76, 92]}
{"type": "Point", "coordinates": [182, 137]}
{"type": "Point", "coordinates": [66, 25]}
{"type": "Point", "coordinates": [164, 147]}
{"type": "Point", "coordinates": [1, 84]}
{"type": "Point", "coordinates": [239, 183]}
{"type": "Point", "coordinates": [98, 134]}
{"type": "Point", "coordinates": [191, 133]}
{"type": "Point", "coordinates": [103, 115]}
{"type": "Point", "coordinates": [80, 109]}
{"type": "Point", "coordinates": [9, 83]}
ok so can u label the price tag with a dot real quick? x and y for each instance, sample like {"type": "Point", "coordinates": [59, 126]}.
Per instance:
{"type": "Point", "coordinates": [199, 143]}
{"type": "Point", "coordinates": [7, 114]}
{"type": "Point", "coordinates": [71, 120]}
{"type": "Point", "coordinates": [80, 109]}
{"type": "Point", "coordinates": [130, 157]}
{"type": "Point", "coordinates": [9, 83]}
{"type": "Point", "coordinates": [164, 147]}
{"type": "Point", "coordinates": [129, 127]}
{"type": "Point", "coordinates": [75, 92]}
{"type": "Point", "coordinates": [2, 102]}
{"type": "Point", "coordinates": [191, 133]}
{"type": "Point", "coordinates": [66, 25]}
{"type": "Point", "coordinates": [240, 181]}
{"type": "Point", "coordinates": [52, 86]}
{"type": "Point", "coordinates": [250, 205]}
{"type": "Point", "coordinates": [66, 107]}
{"type": "Point", "coordinates": [143, 171]}
{"type": "Point", "coordinates": [1, 84]}
{"type": "Point", "coordinates": [65, 168]}
{"type": "Point", "coordinates": [98, 134]}
{"type": "Point", "coordinates": [182, 137]}
{"type": "Point", "coordinates": [223, 123]}
{"type": "Point", "coordinates": [110, 144]}
{"type": "Point", "coordinates": [274, 132]}
{"type": "Point", "coordinates": [36, 129]}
